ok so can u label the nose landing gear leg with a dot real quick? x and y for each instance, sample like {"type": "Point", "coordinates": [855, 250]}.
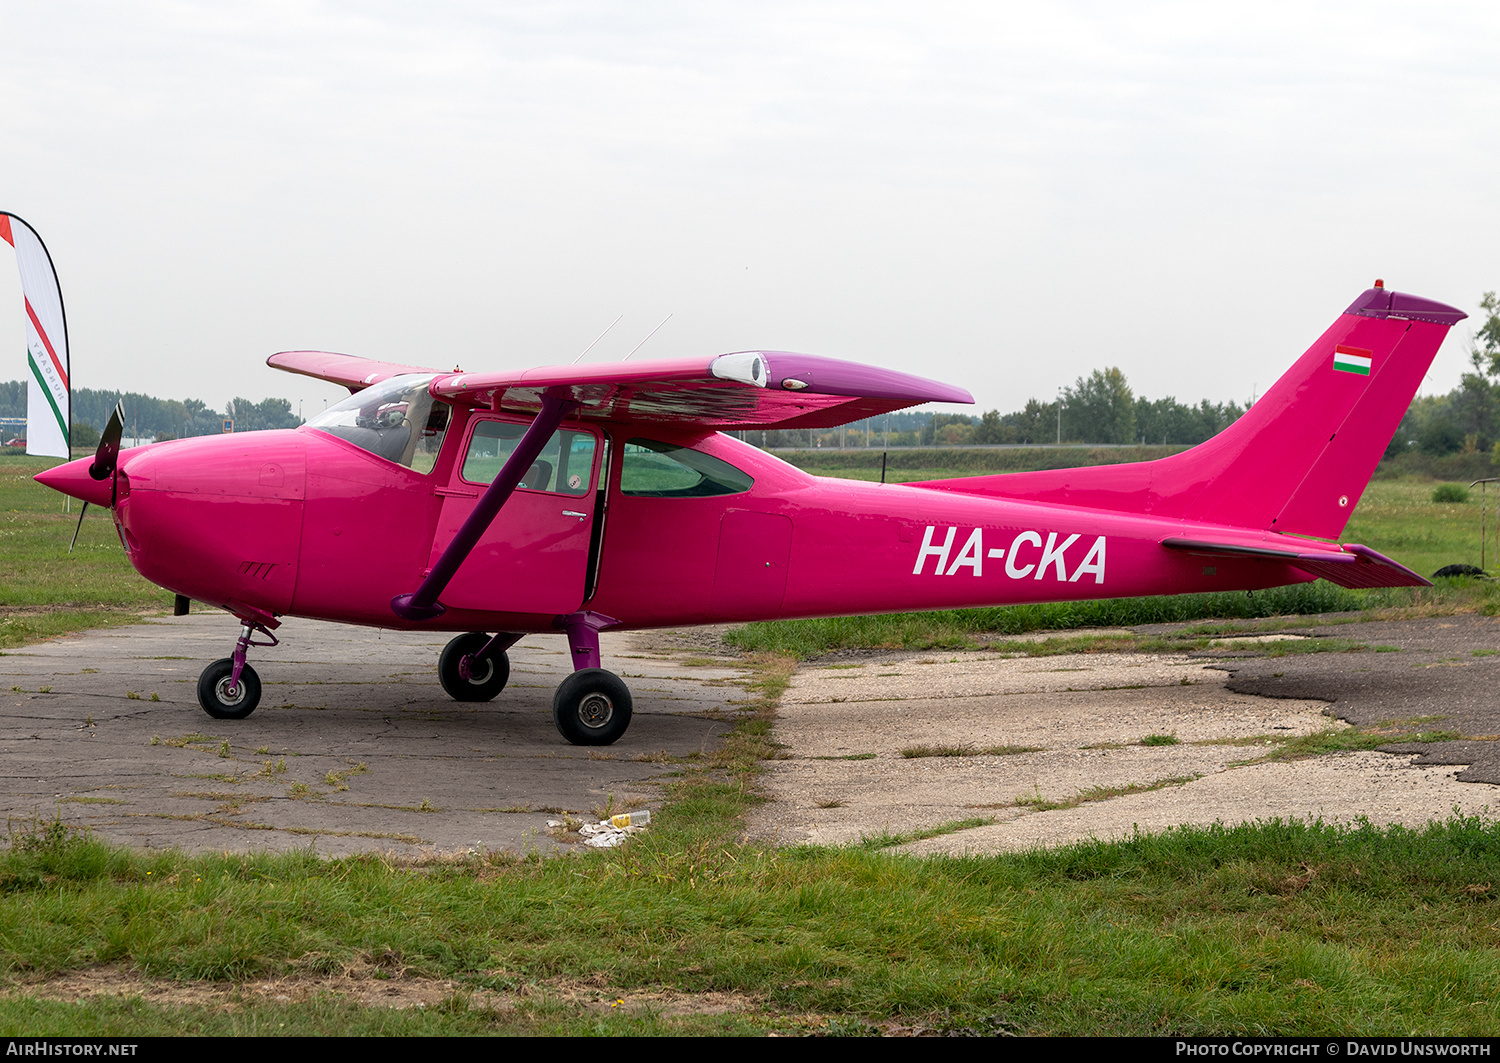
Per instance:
{"type": "Point", "coordinates": [592, 706]}
{"type": "Point", "coordinates": [229, 689]}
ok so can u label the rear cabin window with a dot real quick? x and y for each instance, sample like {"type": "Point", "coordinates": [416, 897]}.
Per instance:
{"type": "Point", "coordinates": [664, 470]}
{"type": "Point", "coordinates": [565, 465]}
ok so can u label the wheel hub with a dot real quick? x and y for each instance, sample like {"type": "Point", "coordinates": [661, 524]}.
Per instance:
{"type": "Point", "coordinates": [229, 692]}
{"type": "Point", "coordinates": [596, 710]}
{"type": "Point", "coordinates": [477, 671]}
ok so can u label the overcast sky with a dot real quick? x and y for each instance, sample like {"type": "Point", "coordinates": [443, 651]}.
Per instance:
{"type": "Point", "coordinates": [1002, 196]}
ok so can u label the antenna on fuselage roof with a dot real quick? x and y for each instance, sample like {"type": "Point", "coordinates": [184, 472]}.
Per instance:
{"type": "Point", "coordinates": [597, 338]}
{"type": "Point", "coordinates": [653, 332]}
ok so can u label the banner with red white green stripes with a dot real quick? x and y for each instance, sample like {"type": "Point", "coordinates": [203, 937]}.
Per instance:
{"type": "Point", "coordinates": [1352, 360]}
{"type": "Point", "coordinates": [49, 393]}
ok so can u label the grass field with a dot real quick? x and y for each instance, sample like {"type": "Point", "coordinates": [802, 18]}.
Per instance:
{"type": "Point", "coordinates": [1396, 516]}
{"type": "Point", "coordinates": [46, 591]}
{"type": "Point", "coordinates": [1273, 928]}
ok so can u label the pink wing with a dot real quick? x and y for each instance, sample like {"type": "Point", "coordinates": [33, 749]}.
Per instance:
{"type": "Point", "coordinates": [351, 371]}
{"type": "Point", "coordinates": [751, 389]}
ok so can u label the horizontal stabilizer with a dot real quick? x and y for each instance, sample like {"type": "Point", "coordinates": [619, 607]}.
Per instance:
{"type": "Point", "coordinates": [1351, 565]}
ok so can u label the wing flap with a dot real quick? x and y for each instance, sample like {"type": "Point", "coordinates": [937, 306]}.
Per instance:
{"type": "Point", "coordinates": [1352, 565]}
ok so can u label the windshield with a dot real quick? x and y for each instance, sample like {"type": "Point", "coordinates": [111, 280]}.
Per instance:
{"type": "Point", "coordinates": [396, 419]}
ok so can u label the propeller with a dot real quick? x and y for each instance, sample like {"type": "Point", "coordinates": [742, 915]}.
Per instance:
{"type": "Point", "coordinates": [78, 527]}
{"type": "Point", "coordinates": [106, 463]}
{"type": "Point", "coordinates": [107, 457]}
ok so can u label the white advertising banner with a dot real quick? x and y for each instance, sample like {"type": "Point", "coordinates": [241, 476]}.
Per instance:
{"type": "Point", "coordinates": [49, 405]}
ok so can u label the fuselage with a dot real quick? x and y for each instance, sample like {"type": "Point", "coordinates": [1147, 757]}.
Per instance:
{"type": "Point", "coordinates": [306, 523]}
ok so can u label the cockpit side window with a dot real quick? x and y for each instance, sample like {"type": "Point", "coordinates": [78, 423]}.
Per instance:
{"type": "Point", "coordinates": [650, 469]}
{"type": "Point", "coordinates": [565, 465]}
{"type": "Point", "coordinates": [429, 441]}
{"type": "Point", "coordinates": [397, 420]}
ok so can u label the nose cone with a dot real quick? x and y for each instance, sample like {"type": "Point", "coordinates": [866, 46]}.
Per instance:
{"type": "Point", "coordinates": [73, 478]}
{"type": "Point", "coordinates": [217, 518]}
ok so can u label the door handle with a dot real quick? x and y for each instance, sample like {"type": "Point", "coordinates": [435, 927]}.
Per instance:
{"type": "Point", "coordinates": [575, 513]}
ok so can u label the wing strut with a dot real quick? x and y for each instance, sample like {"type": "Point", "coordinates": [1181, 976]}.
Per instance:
{"type": "Point", "coordinates": [423, 604]}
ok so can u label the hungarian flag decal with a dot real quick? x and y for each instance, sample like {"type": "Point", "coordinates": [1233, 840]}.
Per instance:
{"type": "Point", "coordinates": [1352, 360]}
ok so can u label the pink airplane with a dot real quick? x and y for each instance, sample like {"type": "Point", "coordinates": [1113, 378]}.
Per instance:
{"type": "Point", "coordinates": [579, 498]}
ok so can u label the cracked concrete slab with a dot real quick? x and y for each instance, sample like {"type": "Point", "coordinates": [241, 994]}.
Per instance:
{"type": "Point", "coordinates": [1338, 788]}
{"type": "Point", "coordinates": [903, 744]}
{"type": "Point", "coordinates": [354, 747]}
{"type": "Point", "coordinates": [1442, 670]}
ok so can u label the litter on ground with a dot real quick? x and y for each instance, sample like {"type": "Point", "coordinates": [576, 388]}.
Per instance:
{"type": "Point", "coordinates": [608, 833]}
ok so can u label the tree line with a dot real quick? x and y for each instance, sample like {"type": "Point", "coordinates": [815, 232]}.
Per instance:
{"type": "Point", "coordinates": [1099, 408]}
{"type": "Point", "coordinates": [1452, 435]}
{"type": "Point", "coordinates": [1467, 419]}
{"type": "Point", "coordinates": [147, 417]}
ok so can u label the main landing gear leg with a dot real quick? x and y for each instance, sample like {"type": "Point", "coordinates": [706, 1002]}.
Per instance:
{"type": "Point", "coordinates": [591, 706]}
{"type": "Point", "coordinates": [229, 689]}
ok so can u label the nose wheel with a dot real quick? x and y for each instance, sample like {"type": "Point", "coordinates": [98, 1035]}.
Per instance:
{"type": "Point", "coordinates": [475, 667]}
{"type": "Point", "coordinates": [592, 707]}
{"type": "Point", "coordinates": [229, 689]}
{"type": "Point", "coordinates": [225, 698]}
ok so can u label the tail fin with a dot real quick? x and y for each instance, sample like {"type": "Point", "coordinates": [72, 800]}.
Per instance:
{"type": "Point", "coordinates": [1299, 459]}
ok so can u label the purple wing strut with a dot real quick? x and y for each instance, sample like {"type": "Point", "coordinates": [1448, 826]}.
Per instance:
{"type": "Point", "coordinates": [422, 604]}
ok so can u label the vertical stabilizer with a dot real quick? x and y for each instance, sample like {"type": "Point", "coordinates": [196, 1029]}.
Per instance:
{"type": "Point", "coordinates": [1300, 458]}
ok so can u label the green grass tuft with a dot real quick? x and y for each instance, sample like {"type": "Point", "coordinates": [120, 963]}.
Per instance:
{"type": "Point", "coordinates": [914, 752]}
{"type": "Point", "coordinates": [961, 628]}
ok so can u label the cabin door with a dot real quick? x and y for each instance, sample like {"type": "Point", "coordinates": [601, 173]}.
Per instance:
{"type": "Point", "coordinates": [533, 558]}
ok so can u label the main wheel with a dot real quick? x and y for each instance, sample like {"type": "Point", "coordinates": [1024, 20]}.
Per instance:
{"type": "Point", "coordinates": [214, 695]}
{"type": "Point", "coordinates": [487, 675]}
{"type": "Point", "coordinates": [591, 707]}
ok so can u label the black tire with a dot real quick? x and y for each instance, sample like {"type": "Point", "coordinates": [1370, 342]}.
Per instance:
{"type": "Point", "coordinates": [213, 691]}
{"type": "Point", "coordinates": [491, 673]}
{"type": "Point", "coordinates": [592, 707]}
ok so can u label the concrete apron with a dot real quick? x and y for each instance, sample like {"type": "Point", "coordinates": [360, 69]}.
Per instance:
{"type": "Point", "coordinates": [845, 778]}
{"type": "Point", "coordinates": [355, 746]}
